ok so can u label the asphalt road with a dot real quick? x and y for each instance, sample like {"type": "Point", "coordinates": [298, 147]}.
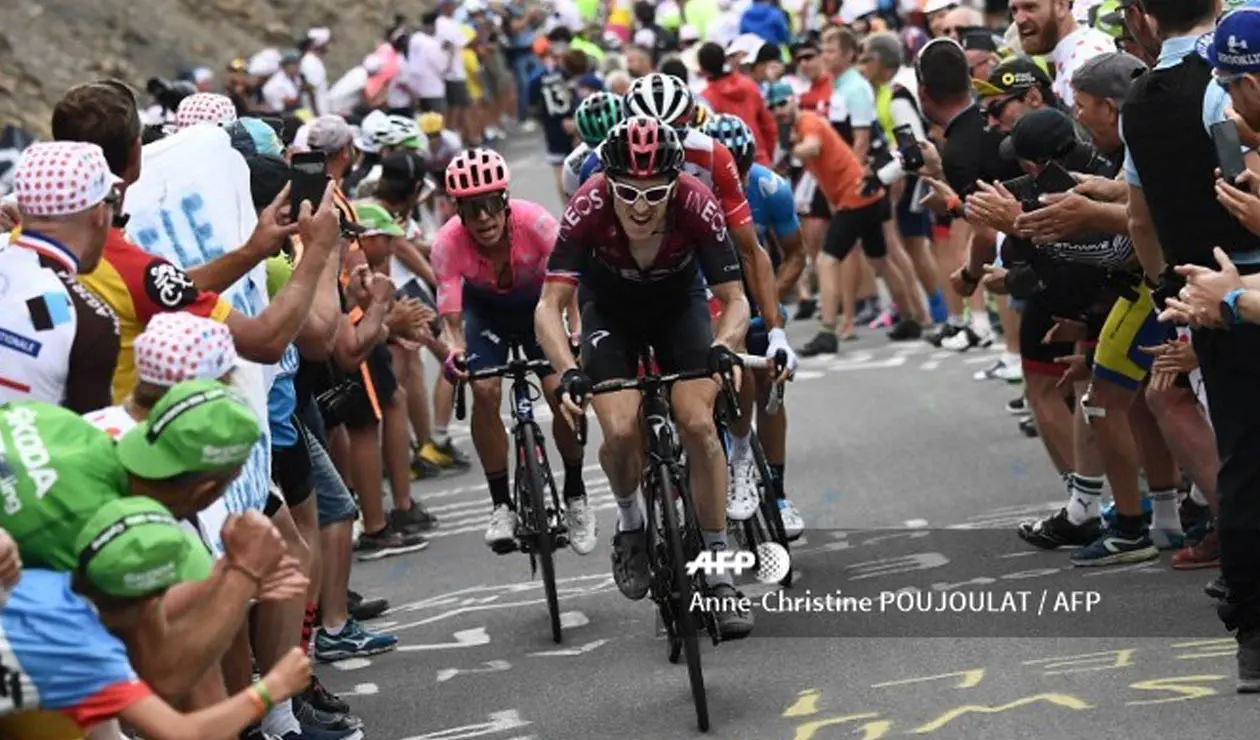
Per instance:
{"type": "Point", "coordinates": [910, 475]}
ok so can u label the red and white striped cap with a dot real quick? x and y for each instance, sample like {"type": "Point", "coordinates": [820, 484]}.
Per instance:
{"type": "Point", "coordinates": [179, 346]}
{"type": "Point", "coordinates": [58, 178]}
{"type": "Point", "coordinates": [204, 108]}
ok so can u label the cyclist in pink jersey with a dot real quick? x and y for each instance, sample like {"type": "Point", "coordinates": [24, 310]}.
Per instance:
{"type": "Point", "coordinates": [490, 262]}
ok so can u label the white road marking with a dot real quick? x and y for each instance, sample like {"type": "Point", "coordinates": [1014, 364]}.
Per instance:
{"type": "Point", "coordinates": [351, 664]}
{"type": "Point", "coordinates": [464, 638]}
{"type": "Point", "coordinates": [916, 523]}
{"type": "Point", "coordinates": [588, 647]}
{"type": "Point", "coordinates": [498, 722]}
{"type": "Point", "coordinates": [363, 689]}
{"type": "Point", "coordinates": [570, 620]}
{"type": "Point", "coordinates": [807, 375]}
{"type": "Point", "coordinates": [982, 358]}
{"type": "Point", "coordinates": [930, 365]}
{"type": "Point", "coordinates": [491, 666]}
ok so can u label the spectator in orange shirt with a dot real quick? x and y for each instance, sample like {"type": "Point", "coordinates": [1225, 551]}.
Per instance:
{"type": "Point", "coordinates": [859, 211]}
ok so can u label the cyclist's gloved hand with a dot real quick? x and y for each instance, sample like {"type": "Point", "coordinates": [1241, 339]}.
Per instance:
{"type": "Point", "coordinates": [779, 343]}
{"type": "Point", "coordinates": [574, 393]}
{"type": "Point", "coordinates": [454, 366]}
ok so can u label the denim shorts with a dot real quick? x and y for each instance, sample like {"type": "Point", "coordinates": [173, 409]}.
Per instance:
{"type": "Point", "coordinates": [332, 497]}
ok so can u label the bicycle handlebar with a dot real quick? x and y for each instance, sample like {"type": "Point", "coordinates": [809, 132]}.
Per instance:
{"type": "Point", "coordinates": [501, 371]}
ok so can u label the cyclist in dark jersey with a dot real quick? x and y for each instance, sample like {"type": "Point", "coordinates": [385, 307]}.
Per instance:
{"type": "Point", "coordinates": [633, 242]}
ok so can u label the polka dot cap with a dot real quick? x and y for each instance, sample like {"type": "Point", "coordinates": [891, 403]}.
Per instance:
{"type": "Point", "coordinates": [59, 178]}
{"type": "Point", "coordinates": [204, 108]}
{"type": "Point", "coordinates": [179, 346]}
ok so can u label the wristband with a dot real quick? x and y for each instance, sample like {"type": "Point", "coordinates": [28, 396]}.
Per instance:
{"type": "Point", "coordinates": [953, 203]}
{"type": "Point", "coordinates": [967, 276]}
{"type": "Point", "coordinates": [263, 694]}
{"type": "Point", "coordinates": [232, 564]}
{"type": "Point", "coordinates": [260, 707]}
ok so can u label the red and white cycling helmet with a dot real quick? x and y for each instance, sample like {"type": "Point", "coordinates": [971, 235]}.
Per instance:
{"type": "Point", "coordinates": [475, 172]}
{"type": "Point", "coordinates": [641, 146]}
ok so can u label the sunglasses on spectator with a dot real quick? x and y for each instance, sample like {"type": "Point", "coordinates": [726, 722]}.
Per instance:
{"type": "Point", "coordinates": [470, 209]}
{"type": "Point", "coordinates": [777, 104]}
{"type": "Point", "coordinates": [654, 196]}
{"type": "Point", "coordinates": [994, 109]}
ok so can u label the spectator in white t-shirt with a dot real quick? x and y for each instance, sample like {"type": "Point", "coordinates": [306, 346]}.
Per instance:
{"type": "Point", "coordinates": [283, 91]}
{"type": "Point", "coordinates": [1046, 27]}
{"type": "Point", "coordinates": [426, 65]}
{"type": "Point", "coordinates": [451, 36]}
{"type": "Point", "coordinates": [315, 47]}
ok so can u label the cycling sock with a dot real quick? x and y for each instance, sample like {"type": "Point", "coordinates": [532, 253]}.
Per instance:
{"type": "Point", "coordinates": [741, 448]}
{"type": "Point", "coordinates": [1196, 495]}
{"type": "Point", "coordinates": [499, 493]}
{"type": "Point", "coordinates": [574, 486]}
{"type": "Point", "coordinates": [1164, 514]}
{"type": "Point", "coordinates": [956, 321]}
{"type": "Point", "coordinates": [777, 471]}
{"type": "Point", "coordinates": [308, 626]}
{"type": "Point", "coordinates": [441, 436]}
{"type": "Point", "coordinates": [280, 720]}
{"type": "Point", "coordinates": [629, 515]}
{"type": "Point", "coordinates": [335, 629]}
{"type": "Point", "coordinates": [1086, 493]}
{"type": "Point", "coordinates": [716, 542]}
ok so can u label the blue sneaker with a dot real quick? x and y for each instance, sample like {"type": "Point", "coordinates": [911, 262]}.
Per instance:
{"type": "Point", "coordinates": [1114, 547]}
{"type": "Point", "coordinates": [1109, 511]}
{"type": "Point", "coordinates": [353, 642]}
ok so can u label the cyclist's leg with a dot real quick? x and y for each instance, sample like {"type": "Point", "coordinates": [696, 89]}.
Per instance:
{"type": "Point", "coordinates": [486, 347]}
{"type": "Point", "coordinates": [741, 496]}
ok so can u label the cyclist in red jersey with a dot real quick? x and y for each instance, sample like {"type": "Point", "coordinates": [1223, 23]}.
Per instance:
{"type": "Point", "coordinates": [670, 101]}
{"type": "Point", "coordinates": [633, 243]}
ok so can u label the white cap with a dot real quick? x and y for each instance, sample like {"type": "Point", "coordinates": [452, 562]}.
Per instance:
{"type": "Point", "coordinates": [932, 6]}
{"type": "Point", "coordinates": [688, 33]}
{"type": "Point", "coordinates": [265, 63]}
{"type": "Point", "coordinates": [372, 64]}
{"type": "Point", "coordinates": [645, 37]}
{"type": "Point", "coordinates": [319, 36]}
{"type": "Point", "coordinates": [854, 9]}
{"type": "Point", "coordinates": [745, 43]}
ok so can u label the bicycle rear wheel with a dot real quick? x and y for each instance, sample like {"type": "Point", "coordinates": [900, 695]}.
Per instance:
{"type": "Point", "coordinates": [684, 620]}
{"type": "Point", "coordinates": [544, 545]}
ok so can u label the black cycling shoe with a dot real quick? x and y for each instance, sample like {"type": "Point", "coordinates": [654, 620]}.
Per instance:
{"type": "Point", "coordinates": [630, 564]}
{"type": "Point", "coordinates": [1057, 531]}
{"type": "Point", "coordinates": [734, 622]}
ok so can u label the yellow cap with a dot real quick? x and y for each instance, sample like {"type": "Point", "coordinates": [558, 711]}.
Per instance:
{"type": "Point", "coordinates": [431, 123]}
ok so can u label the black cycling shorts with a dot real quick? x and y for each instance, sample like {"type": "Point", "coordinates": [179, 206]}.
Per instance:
{"type": "Point", "coordinates": [818, 206]}
{"type": "Point", "coordinates": [361, 412]}
{"type": "Point", "coordinates": [610, 343]}
{"type": "Point", "coordinates": [291, 469]}
{"type": "Point", "coordinates": [1038, 358]}
{"type": "Point", "coordinates": [865, 224]}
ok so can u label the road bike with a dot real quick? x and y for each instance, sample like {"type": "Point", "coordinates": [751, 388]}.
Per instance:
{"type": "Point", "coordinates": [672, 529]}
{"type": "Point", "coordinates": [766, 524]}
{"type": "Point", "coordinates": [540, 528]}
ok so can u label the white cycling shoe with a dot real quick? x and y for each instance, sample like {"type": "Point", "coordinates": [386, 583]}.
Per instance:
{"type": "Point", "coordinates": [741, 493]}
{"type": "Point", "coordinates": [501, 534]}
{"type": "Point", "coordinates": [579, 519]}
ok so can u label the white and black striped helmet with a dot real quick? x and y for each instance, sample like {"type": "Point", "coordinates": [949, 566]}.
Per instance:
{"type": "Point", "coordinates": [663, 97]}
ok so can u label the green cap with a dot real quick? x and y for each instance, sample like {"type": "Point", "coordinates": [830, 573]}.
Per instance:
{"type": "Point", "coordinates": [134, 547]}
{"type": "Point", "coordinates": [56, 470]}
{"type": "Point", "coordinates": [199, 426]}
{"type": "Point", "coordinates": [376, 220]}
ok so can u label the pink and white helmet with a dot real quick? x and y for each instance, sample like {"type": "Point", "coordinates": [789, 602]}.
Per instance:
{"type": "Point", "coordinates": [476, 171]}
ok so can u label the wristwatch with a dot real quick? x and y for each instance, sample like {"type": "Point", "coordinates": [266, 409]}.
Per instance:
{"type": "Point", "coordinates": [1229, 307]}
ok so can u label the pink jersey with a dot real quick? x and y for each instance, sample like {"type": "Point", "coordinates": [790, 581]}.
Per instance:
{"type": "Point", "coordinates": [458, 262]}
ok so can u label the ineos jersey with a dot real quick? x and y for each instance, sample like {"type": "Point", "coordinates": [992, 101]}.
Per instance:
{"type": "Point", "coordinates": [592, 250]}
{"type": "Point", "coordinates": [712, 164]}
{"type": "Point", "coordinates": [58, 341]}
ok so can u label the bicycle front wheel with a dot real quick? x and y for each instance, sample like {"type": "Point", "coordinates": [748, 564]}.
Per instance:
{"type": "Point", "coordinates": [684, 620]}
{"type": "Point", "coordinates": [544, 542]}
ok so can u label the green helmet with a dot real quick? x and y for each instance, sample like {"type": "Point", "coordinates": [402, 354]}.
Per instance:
{"type": "Point", "coordinates": [597, 114]}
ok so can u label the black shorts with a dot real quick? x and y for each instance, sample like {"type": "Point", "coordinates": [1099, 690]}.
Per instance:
{"type": "Point", "coordinates": [432, 105]}
{"type": "Point", "coordinates": [1038, 358]}
{"type": "Point", "coordinates": [361, 412]}
{"type": "Point", "coordinates": [291, 470]}
{"type": "Point", "coordinates": [610, 343]}
{"type": "Point", "coordinates": [865, 224]}
{"type": "Point", "coordinates": [818, 206]}
{"type": "Point", "coordinates": [457, 94]}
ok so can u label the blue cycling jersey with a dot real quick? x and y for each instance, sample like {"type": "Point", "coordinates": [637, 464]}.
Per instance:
{"type": "Point", "coordinates": [590, 167]}
{"type": "Point", "coordinates": [773, 208]}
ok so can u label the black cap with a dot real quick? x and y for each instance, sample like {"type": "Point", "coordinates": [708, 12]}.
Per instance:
{"type": "Point", "coordinates": [403, 165]}
{"type": "Point", "coordinates": [1040, 135]}
{"type": "Point", "coordinates": [979, 39]}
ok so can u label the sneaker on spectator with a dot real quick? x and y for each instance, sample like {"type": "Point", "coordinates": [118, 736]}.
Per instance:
{"type": "Point", "coordinates": [824, 342]}
{"type": "Point", "coordinates": [308, 715]}
{"type": "Point", "coordinates": [457, 456]}
{"type": "Point", "coordinates": [323, 699]}
{"type": "Point", "coordinates": [422, 469]}
{"type": "Point", "coordinates": [364, 609]}
{"type": "Point", "coordinates": [315, 733]}
{"type": "Point", "coordinates": [965, 339]}
{"type": "Point", "coordinates": [1028, 425]}
{"type": "Point", "coordinates": [412, 521]}
{"type": "Point", "coordinates": [1217, 589]}
{"type": "Point", "coordinates": [352, 642]}
{"type": "Point", "coordinates": [1204, 554]}
{"type": "Point", "coordinates": [1018, 407]}
{"type": "Point", "coordinates": [387, 542]}
{"type": "Point", "coordinates": [1196, 519]}
{"type": "Point", "coordinates": [805, 309]}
